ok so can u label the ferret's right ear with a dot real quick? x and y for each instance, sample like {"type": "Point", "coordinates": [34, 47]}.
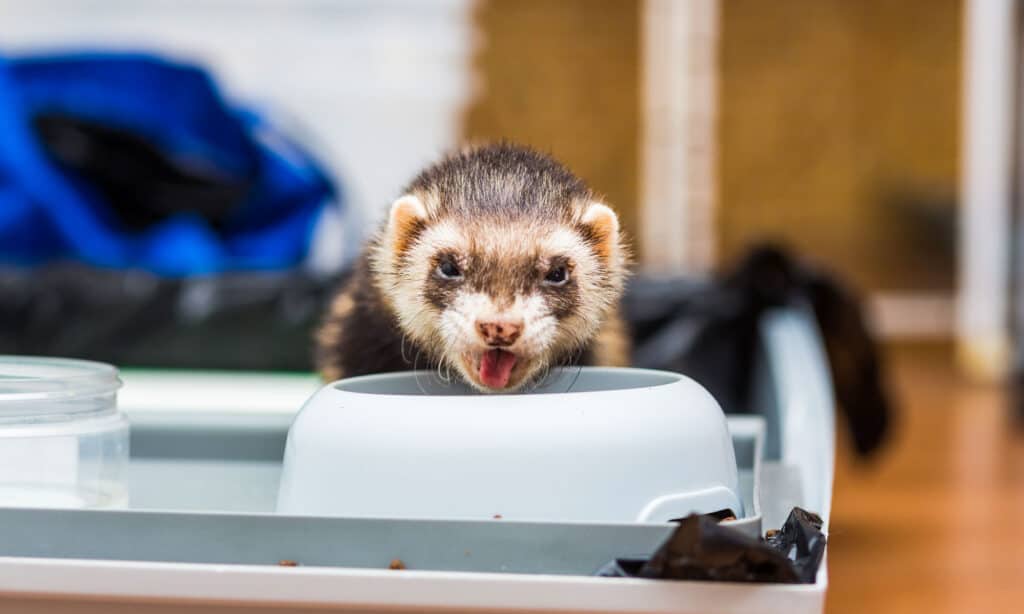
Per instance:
{"type": "Point", "coordinates": [602, 225]}
{"type": "Point", "coordinates": [407, 219]}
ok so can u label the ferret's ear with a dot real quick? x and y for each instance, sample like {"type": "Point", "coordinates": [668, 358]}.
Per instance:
{"type": "Point", "coordinates": [602, 225]}
{"type": "Point", "coordinates": [407, 218]}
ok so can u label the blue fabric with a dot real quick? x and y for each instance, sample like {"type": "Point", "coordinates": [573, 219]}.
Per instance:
{"type": "Point", "coordinates": [47, 215]}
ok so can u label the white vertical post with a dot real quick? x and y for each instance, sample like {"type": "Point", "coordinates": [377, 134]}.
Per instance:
{"type": "Point", "coordinates": [677, 155]}
{"type": "Point", "coordinates": [986, 179]}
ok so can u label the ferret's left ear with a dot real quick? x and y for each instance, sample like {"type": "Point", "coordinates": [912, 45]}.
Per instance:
{"type": "Point", "coordinates": [406, 219]}
{"type": "Point", "coordinates": [602, 225]}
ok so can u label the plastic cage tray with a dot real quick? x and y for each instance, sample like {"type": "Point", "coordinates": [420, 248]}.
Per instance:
{"type": "Point", "coordinates": [200, 529]}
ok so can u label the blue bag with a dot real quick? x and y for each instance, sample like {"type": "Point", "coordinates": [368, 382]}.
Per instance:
{"type": "Point", "coordinates": [130, 161]}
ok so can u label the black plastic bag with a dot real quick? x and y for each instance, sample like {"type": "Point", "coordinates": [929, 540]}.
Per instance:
{"type": "Point", "coordinates": [710, 331]}
{"type": "Point", "coordinates": [261, 321]}
{"type": "Point", "coordinates": [703, 549]}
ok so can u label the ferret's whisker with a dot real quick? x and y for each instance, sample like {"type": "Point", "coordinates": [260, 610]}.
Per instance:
{"type": "Point", "coordinates": [416, 372]}
{"type": "Point", "coordinates": [441, 375]}
{"type": "Point", "coordinates": [542, 375]}
{"type": "Point", "coordinates": [579, 370]}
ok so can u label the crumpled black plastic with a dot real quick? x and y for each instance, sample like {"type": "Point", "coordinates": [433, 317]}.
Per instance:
{"type": "Point", "coordinates": [703, 549]}
{"type": "Point", "coordinates": [259, 320]}
{"type": "Point", "coordinates": [711, 332]}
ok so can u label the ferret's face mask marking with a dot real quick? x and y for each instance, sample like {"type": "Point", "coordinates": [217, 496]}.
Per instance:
{"type": "Point", "coordinates": [500, 300]}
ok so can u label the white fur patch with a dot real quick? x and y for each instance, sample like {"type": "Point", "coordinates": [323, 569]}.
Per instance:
{"type": "Point", "coordinates": [458, 323]}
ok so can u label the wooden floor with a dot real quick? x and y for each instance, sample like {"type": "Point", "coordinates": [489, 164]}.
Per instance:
{"type": "Point", "coordinates": [937, 523]}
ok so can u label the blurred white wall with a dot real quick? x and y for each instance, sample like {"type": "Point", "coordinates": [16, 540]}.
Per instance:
{"type": "Point", "coordinates": [374, 87]}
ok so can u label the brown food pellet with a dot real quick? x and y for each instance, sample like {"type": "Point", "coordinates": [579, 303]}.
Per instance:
{"type": "Point", "coordinates": [771, 533]}
{"type": "Point", "coordinates": [288, 563]}
{"type": "Point", "coordinates": [497, 516]}
{"type": "Point", "coordinates": [396, 564]}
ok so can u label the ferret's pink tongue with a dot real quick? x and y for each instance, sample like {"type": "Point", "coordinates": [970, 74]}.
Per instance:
{"type": "Point", "coordinates": [496, 367]}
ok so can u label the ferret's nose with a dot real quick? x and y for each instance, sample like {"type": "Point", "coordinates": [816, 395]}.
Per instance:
{"type": "Point", "coordinates": [500, 333]}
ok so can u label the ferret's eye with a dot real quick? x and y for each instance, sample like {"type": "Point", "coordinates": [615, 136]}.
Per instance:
{"type": "Point", "coordinates": [557, 276]}
{"type": "Point", "coordinates": [447, 269]}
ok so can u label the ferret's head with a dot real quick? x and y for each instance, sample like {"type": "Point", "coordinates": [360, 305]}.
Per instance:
{"type": "Point", "coordinates": [500, 262]}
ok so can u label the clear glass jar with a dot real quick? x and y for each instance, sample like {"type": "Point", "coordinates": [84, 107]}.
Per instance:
{"type": "Point", "coordinates": [63, 442]}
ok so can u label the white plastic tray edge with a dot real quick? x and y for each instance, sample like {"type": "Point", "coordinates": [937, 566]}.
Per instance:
{"type": "Point", "coordinates": [386, 590]}
{"type": "Point", "coordinates": [798, 363]}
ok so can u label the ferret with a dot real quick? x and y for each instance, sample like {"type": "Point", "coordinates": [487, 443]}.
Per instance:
{"type": "Point", "coordinates": [497, 263]}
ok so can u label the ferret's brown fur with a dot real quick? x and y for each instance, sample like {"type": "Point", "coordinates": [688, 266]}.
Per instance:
{"type": "Point", "coordinates": [505, 217]}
